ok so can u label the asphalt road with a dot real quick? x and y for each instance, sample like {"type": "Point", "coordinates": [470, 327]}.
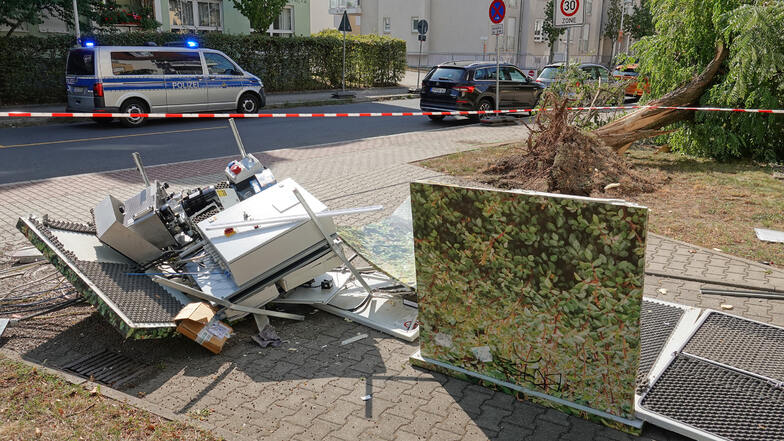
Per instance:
{"type": "Point", "coordinates": [30, 153]}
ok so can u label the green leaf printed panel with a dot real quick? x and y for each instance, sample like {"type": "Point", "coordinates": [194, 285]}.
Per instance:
{"type": "Point", "coordinates": [542, 291]}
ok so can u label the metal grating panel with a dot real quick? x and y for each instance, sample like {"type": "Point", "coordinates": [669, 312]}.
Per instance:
{"type": "Point", "coordinates": [138, 297]}
{"type": "Point", "coordinates": [742, 344]}
{"type": "Point", "coordinates": [657, 321]}
{"type": "Point", "coordinates": [721, 401]}
{"type": "Point", "coordinates": [107, 367]}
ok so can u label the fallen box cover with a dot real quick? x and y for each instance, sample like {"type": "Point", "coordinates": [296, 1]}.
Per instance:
{"type": "Point", "coordinates": [197, 322]}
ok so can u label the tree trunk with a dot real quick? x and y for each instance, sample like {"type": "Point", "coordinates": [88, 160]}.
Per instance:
{"type": "Point", "coordinates": [645, 123]}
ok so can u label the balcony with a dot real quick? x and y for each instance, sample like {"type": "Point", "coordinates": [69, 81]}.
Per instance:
{"type": "Point", "coordinates": [336, 7]}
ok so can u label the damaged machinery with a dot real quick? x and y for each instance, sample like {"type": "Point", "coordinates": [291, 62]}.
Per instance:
{"type": "Point", "coordinates": [236, 247]}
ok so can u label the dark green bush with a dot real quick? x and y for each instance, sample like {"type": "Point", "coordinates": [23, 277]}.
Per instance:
{"type": "Point", "coordinates": [33, 68]}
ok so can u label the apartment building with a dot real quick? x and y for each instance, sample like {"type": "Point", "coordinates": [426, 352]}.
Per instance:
{"type": "Point", "coordinates": [298, 18]}
{"type": "Point", "coordinates": [460, 30]}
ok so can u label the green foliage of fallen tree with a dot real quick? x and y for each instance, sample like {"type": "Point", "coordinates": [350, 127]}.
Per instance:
{"type": "Point", "coordinates": [751, 75]}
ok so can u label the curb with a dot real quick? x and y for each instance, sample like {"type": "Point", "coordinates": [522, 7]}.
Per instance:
{"type": "Point", "coordinates": [116, 395]}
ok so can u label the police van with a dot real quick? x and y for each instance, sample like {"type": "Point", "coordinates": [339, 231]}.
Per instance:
{"type": "Point", "coordinates": [158, 79]}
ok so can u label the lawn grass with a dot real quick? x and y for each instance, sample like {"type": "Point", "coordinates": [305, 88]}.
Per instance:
{"type": "Point", "coordinates": [36, 405]}
{"type": "Point", "coordinates": [704, 202]}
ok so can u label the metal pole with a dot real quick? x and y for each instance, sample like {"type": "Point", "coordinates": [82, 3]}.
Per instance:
{"type": "Point", "coordinates": [497, 74]}
{"type": "Point", "coordinates": [139, 166]}
{"type": "Point", "coordinates": [419, 68]}
{"type": "Point", "coordinates": [568, 38]}
{"type": "Point", "coordinates": [344, 61]}
{"type": "Point", "coordinates": [76, 24]}
{"type": "Point", "coordinates": [237, 138]}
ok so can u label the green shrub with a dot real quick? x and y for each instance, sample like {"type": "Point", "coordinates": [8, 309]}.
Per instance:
{"type": "Point", "coordinates": [33, 68]}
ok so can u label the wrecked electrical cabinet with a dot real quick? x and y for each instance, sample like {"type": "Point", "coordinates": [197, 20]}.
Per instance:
{"type": "Point", "coordinates": [236, 246]}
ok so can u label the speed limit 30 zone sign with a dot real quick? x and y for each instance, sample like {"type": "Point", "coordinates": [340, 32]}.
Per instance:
{"type": "Point", "coordinates": [568, 13]}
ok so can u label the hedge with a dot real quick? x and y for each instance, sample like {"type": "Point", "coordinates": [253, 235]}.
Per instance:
{"type": "Point", "coordinates": [32, 68]}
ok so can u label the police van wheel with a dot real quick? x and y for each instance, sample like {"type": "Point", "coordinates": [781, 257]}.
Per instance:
{"type": "Point", "coordinates": [249, 103]}
{"type": "Point", "coordinates": [133, 106]}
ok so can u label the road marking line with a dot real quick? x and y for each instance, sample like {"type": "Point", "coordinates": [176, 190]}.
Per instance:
{"type": "Point", "coordinates": [66, 141]}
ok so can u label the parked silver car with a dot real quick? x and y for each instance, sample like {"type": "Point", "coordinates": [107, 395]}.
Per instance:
{"type": "Point", "coordinates": [595, 73]}
{"type": "Point", "coordinates": [142, 79]}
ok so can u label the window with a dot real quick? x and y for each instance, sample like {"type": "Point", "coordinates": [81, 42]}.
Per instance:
{"type": "Point", "coordinates": [447, 74]}
{"type": "Point", "coordinates": [588, 6]}
{"type": "Point", "coordinates": [80, 62]}
{"type": "Point", "coordinates": [586, 32]}
{"type": "Point", "coordinates": [539, 30]}
{"type": "Point", "coordinates": [135, 63]}
{"type": "Point", "coordinates": [485, 74]}
{"type": "Point", "coordinates": [284, 24]}
{"type": "Point", "coordinates": [387, 25]}
{"type": "Point", "coordinates": [217, 64]}
{"type": "Point", "coordinates": [179, 63]}
{"type": "Point", "coordinates": [414, 24]}
{"type": "Point", "coordinates": [195, 14]}
{"type": "Point", "coordinates": [604, 74]}
{"type": "Point", "coordinates": [512, 74]}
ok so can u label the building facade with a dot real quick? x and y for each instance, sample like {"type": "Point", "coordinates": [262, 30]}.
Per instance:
{"type": "Point", "coordinates": [298, 18]}
{"type": "Point", "coordinates": [461, 30]}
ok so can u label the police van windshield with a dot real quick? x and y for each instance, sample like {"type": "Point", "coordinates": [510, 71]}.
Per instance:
{"type": "Point", "coordinates": [81, 62]}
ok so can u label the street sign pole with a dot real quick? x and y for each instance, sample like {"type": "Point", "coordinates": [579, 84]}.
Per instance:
{"type": "Point", "coordinates": [497, 74]}
{"type": "Point", "coordinates": [422, 27]}
{"type": "Point", "coordinates": [419, 67]}
{"type": "Point", "coordinates": [568, 40]}
{"type": "Point", "coordinates": [345, 26]}
{"type": "Point", "coordinates": [497, 14]}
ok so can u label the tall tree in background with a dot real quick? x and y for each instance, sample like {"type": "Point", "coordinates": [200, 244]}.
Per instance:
{"type": "Point", "coordinates": [550, 32]}
{"type": "Point", "coordinates": [613, 23]}
{"type": "Point", "coordinates": [712, 54]}
{"type": "Point", "coordinates": [640, 23]}
{"type": "Point", "coordinates": [260, 13]}
{"type": "Point", "coordinates": [15, 13]}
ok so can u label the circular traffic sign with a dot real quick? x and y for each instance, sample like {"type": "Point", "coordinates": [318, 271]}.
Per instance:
{"type": "Point", "coordinates": [570, 7]}
{"type": "Point", "coordinates": [497, 11]}
{"type": "Point", "coordinates": [422, 26]}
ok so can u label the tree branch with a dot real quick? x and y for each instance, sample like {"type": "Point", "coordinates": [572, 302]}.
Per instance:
{"type": "Point", "coordinates": [645, 123]}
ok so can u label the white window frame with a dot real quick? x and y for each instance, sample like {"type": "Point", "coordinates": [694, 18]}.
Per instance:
{"type": "Point", "coordinates": [414, 23]}
{"type": "Point", "coordinates": [281, 32]}
{"type": "Point", "coordinates": [387, 25]}
{"type": "Point", "coordinates": [196, 27]}
{"type": "Point", "coordinates": [539, 30]}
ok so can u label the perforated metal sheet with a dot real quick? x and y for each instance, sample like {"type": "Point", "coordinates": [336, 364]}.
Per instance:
{"type": "Point", "coordinates": [721, 401]}
{"type": "Point", "coordinates": [137, 297]}
{"type": "Point", "coordinates": [657, 321]}
{"type": "Point", "coordinates": [742, 344]}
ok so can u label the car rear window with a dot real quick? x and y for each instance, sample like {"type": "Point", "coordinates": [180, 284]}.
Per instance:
{"type": "Point", "coordinates": [550, 72]}
{"type": "Point", "coordinates": [453, 74]}
{"type": "Point", "coordinates": [80, 62]}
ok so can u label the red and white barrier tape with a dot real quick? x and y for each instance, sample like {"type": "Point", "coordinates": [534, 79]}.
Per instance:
{"type": "Point", "coordinates": [355, 115]}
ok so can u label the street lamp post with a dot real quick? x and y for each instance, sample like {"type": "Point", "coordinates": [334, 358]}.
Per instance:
{"type": "Point", "coordinates": [76, 24]}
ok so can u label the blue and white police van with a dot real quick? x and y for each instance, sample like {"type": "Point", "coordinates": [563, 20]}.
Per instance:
{"type": "Point", "coordinates": [158, 79]}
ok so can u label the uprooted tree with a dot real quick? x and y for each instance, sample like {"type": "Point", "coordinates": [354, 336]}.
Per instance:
{"type": "Point", "coordinates": [715, 54]}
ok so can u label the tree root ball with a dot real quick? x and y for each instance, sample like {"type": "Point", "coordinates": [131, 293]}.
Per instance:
{"type": "Point", "coordinates": [561, 158]}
